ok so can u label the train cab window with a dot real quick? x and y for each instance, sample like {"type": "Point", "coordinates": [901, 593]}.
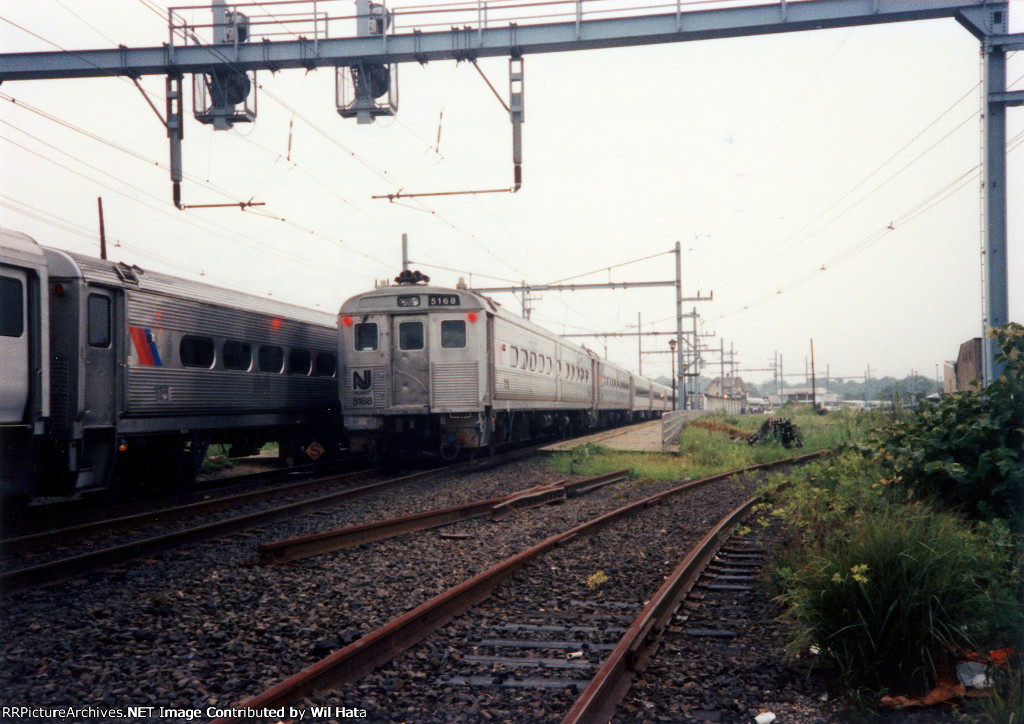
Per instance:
{"type": "Point", "coordinates": [410, 335]}
{"type": "Point", "coordinates": [366, 336]}
{"type": "Point", "coordinates": [299, 361]}
{"type": "Point", "coordinates": [12, 307]}
{"type": "Point", "coordinates": [237, 355]}
{"type": "Point", "coordinates": [453, 333]}
{"type": "Point", "coordinates": [99, 321]}
{"type": "Point", "coordinates": [270, 358]}
{"type": "Point", "coordinates": [326, 364]}
{"type": "Point", "coordinates": [196, 351]}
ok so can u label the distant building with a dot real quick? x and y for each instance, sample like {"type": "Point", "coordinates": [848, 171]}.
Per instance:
{"type": "Point", "coordinates": [968, 365]}
{"type": "Point", "coordinates": [949, 377]}
{"type": "Point", "coordinates": [805, 395]}
{"type": "Point", "coordinates": [726, 394]}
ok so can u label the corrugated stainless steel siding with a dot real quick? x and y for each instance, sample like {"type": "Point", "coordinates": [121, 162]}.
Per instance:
{"type": "Point", "coordinates": [155, 391]}
{"type": "Point", "coordinates": [455, 385]}
{"type": "Point", "coordinates": [100, 271]}
{"type": "Point", "coordinates": [146, 309]}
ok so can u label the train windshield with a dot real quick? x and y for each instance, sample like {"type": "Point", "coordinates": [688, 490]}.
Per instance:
{"type": "Point", "coordinates": [366, 337]}
{"type": "Point", "coordinates": [410, 335]}
{"type": "Point", "coordinates": [453, 333]}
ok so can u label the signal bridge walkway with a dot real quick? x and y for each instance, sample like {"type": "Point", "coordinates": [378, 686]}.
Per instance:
{"type": "Point", "coordinates": [652, 436]}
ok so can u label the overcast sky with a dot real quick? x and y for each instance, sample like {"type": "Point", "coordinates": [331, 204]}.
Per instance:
{"type": "Point", "coordinates": [823, 184]}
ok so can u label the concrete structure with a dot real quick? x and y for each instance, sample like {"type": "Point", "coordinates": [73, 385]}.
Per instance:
{"type": "Point", "coordinates": [803, 395]}
{"type": "Point", "coordinates": [726, 394]}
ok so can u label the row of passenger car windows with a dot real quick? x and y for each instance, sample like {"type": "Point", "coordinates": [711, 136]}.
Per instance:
{"type": "Point", "coordinates": [614, 383]}
{"type": "Point", "coordinates": [545, 365]}
{"type": "Point", "coordinates": [410, 335]}
{"type": "Point", "coordinates": [200, 352]}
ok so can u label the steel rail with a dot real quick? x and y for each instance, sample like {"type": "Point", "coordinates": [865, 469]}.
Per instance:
{"type": "Point", "coordinates": [376, 648]}
{"type": "Point", "coordinates": [598, 702]}
{"type": "Point", "coordinates": [45, 574]}
{"type": "Point", "coordinates": [291, 549]}
{"type": "Point", "coordinates": [46, 539]}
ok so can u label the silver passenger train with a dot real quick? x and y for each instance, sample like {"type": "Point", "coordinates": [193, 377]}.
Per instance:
{"type": "Point", "coordinates": [110, 373]}
{"type": "Point", "coordinates": [436, 370]}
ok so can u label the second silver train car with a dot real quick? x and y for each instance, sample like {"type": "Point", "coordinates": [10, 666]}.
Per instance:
{"type": "Point", "coordinates": [113, 376]}
{"type": "Point", "coordinates": [432, 369]}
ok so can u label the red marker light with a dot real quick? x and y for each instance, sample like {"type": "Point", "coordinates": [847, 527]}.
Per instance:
{"type": "Point", "coordinates": [58, 290]}
{"type": "Point", "coordinates": [347, 321]}
{"type": "Point", "coordinates": [275, 324]}
{"type": "Point", "coordinates": [471, 316]}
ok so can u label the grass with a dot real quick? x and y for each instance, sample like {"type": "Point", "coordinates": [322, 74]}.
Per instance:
{"type": "Point", "coordinates": [705, 447]}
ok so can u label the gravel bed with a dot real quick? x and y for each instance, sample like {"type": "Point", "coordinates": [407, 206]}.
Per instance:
{"type": "Point", "coordinates": [99, 539]}
{"type": "Point", "coordinates": [568, 616]}
{"type": "Point", "coordinates": [209, 626]}
{"type": "Point", "coordinates": [722, 659]}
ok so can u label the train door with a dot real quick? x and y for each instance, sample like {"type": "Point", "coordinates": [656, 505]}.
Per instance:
{"type": "Point", "coordinates": [100, 357]}
{"type": "Point", "coordinates": [15, 382]}
{"type": "Point", "coordinates": [410, 361]}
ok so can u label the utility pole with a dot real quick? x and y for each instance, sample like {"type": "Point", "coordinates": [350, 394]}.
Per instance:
{"type": "Point", "coordinates": [103, 231]}
{"type": "Point", "coordinates": [639, 347]}
{"type": "Point", "coordinates": [814, 384]}
{"type": "Point", "coordinates": [679, 324]}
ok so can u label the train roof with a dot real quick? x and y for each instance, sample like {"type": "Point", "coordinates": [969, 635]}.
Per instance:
{"type": "Point", "coordinates": [20, 249]}
{"type": "Point", "coordinates": [384, 299]}
{"type": "Point", "coordinates": [118, 274]}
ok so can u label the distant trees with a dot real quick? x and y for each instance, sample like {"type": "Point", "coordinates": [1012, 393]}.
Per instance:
{"type": "Point", "coordinates": [908, 390]}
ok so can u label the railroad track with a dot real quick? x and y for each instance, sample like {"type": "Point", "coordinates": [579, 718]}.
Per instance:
{"type": "Point", "coordinates": [14, 580]}
{"type": "Point", "coordinates": [42, 517]}
{"type": "Point", "coordinates": [599, 667]}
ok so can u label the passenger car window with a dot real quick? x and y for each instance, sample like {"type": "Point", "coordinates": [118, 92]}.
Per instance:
{"type": "Point", "coordinates": [410, 335]}
{"type": "Point", "coordinates": [513, 356]}
{"type": "Point", "coordinates": [299, 361]}
{"type": "Point", "coordinates": [270, 358]}
{"type": "Point", "coordinates": [326, 364]}
{"type": "Point", "coordinates": [366, 336]}
{"type": "Point", "coordinates": [12, 307]}
{"type": "Point", "coordinates": [196, 351]}
{"type": "Point", "coordinates": [99, 321]}
{"type": "Point", "coordinates": [237, 355]}
{"type": "Point", "coordinates": [453, 333]}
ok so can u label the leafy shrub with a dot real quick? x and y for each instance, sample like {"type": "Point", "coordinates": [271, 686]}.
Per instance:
{"type": "Point", "coordinates": [894, 589]}
{"type": "Point", "coordinates": [967, 450]}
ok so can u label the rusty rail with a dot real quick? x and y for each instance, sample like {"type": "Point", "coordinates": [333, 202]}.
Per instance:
{"type": "Point", "coordinates": [55, 571]}
{"type": "Point", "coordinates": [378, 647]}
{"type": "Point", "coordinates": [44, 574]}
{"type": "Point", "coordinates": [46, 539]}
{"type": "Point", "coordinates": [630, 656]}
{"type": "Point", "coordinates": [340, 538]}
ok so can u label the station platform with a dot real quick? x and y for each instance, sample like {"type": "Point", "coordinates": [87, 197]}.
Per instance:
{"type": "Point", "coordinates": [642, 437]}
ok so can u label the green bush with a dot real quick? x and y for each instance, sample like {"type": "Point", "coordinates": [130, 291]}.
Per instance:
{"type": "Point", "coordinates": [967, 450]}
{"type": "Point", "coordinates": [892, 590]}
